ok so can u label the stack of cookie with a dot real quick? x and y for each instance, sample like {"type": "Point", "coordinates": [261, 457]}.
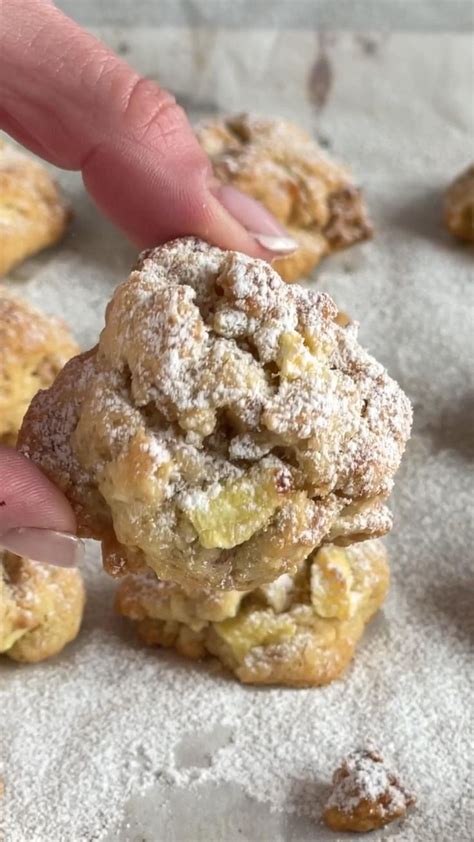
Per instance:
{"type": "Point", "coordinates": [232, 446]}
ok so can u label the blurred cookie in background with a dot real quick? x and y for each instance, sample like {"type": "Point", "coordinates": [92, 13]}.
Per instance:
{"type": "Point", "coordinates": [281, 166]}
{"type": "Point", "coordinates": [459, 206]}
{"type": "Point", "coordinates": [33, 349]}
{"type": "Point", "coordinates": [41, 608]}
{"type": "Point", "coordinates": [33, 213]}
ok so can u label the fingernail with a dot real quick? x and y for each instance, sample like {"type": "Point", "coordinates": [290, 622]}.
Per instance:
{"type": "Point", "coordinates": [259, 222]}
{"type": "Point", "coordinates": [46, 545]}
{"type": "Point", "coordinates": [279, 245]}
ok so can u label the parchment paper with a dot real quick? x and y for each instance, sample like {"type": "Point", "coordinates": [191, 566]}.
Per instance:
{"type": "Point", "coordinates": [111, 741]}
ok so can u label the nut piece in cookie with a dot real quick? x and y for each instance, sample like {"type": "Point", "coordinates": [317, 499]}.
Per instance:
{"type": "Point", "coordinates": [297, 631]}
{"type": "Point", "coordinates": [284, 168]}
{"type": "Point", "coordinates": [40, 608]}
{"type": "Point", "coordinates": [366, 795]}
{"type": "Point", "coordinates": [33, 349]}
{"type": "Point", "coordinates": [33, 214]}
{"type": "Point", "coordinates": [459, 206]}
{"type": "Point", "coordinates": [224, 427]}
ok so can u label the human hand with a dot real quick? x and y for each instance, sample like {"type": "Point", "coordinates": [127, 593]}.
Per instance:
{"type": "Point", "coordinates": [71, 100]}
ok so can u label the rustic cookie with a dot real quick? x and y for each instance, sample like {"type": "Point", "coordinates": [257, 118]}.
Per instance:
{"type": "Point", "coordinates": [225, 426]}
{"type": "Point", "coordinates": [33, 348]}
{"type": "Point", "coordinates": [284, 168]}
{"type": "Point", "coordinates": [33, 214]}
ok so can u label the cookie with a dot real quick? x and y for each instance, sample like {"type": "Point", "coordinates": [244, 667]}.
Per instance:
{"type": "Point", "coordinates": [300, 630]}
{"type": "Point", "coordinates": [40, 608]}
{"type": "Point", "coordinates": [225, 426]}
{"type": "Point", "coordinates": [279, 164]}
{"type": "Point", "coordinates": [33, 214]}
{"type": "Point", "coordinates": [33, 349]}
{"type": "Point", "coordinates": [459, 206]}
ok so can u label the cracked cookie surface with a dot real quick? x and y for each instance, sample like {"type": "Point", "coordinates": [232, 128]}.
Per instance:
{"type": "Point", "coordinates": [225, 426]}
{"type": "Point", "coordinates": [279, 164]}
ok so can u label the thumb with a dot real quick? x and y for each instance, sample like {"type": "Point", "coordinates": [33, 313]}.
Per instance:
{"type": "Point", "coordinates": [70, 99]}
{"type": "Point", "coordinates": [35, 519]}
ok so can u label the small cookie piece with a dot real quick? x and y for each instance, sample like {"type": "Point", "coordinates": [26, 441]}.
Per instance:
{"type": "Point", "coordinates": [33, 349]}
{"type": "Point", "coordinates": [40, 608]}
{"type": "Point", "coordinates": [298, 631]}
{"type": "Point", "coordinates": [366, 795]}
{"type": "Point", "coordinates": [33, 214]}
{"type": "Point", "coordinates": [284, 168]}
{"type": "Point", "coordinates": [224, 427]}
{"type": "Point", "coordinates": [459, 206]}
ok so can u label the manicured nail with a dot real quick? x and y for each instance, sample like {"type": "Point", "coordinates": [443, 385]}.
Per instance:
{"type": "Point", "coordinates": [279, 245]}
{"type": "Point", "coordinates": [59, 548]}
{"type": "Point", "coordinates": [259, 222]}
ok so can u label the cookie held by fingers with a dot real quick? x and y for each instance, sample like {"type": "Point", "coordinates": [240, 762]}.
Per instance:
{"type": "Point", "coordinates": [279, 164]}
{"type": "Point", "coordinates": [33, 214]}
{"type": "Point", "coordinates": [40, 608]}
{"type": "Point", "coordinates": [33, 349]}
{"type": "Point", "coordinates": [300, 630]}
{"type": "Point", "coordinates": [224, 427]}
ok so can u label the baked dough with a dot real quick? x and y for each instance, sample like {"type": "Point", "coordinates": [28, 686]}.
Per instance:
{"type": "Point", "coordinates": [366, 795]}
{"type": "Point", "coordinates": [284, 168]}
{"type": "Point", "coordinates": [459, 206]}
{"type": "Point", "coordinates": [33, 214]}
{"type": "Point", "coordinates": [224, 427]}
{"type": "Point", "coordinates": [40, 608]}
{"type": "Point", "coordinates": [33, 348]}
{"type": "Point", "coordinates": [298, 631]}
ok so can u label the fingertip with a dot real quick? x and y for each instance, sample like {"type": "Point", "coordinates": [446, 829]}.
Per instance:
{"type": "Point", "coordinates": [28, 498]}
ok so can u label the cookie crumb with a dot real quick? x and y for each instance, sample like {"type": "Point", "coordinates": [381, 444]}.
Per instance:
{"type": "Point", "coordinates": [366, 795]}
